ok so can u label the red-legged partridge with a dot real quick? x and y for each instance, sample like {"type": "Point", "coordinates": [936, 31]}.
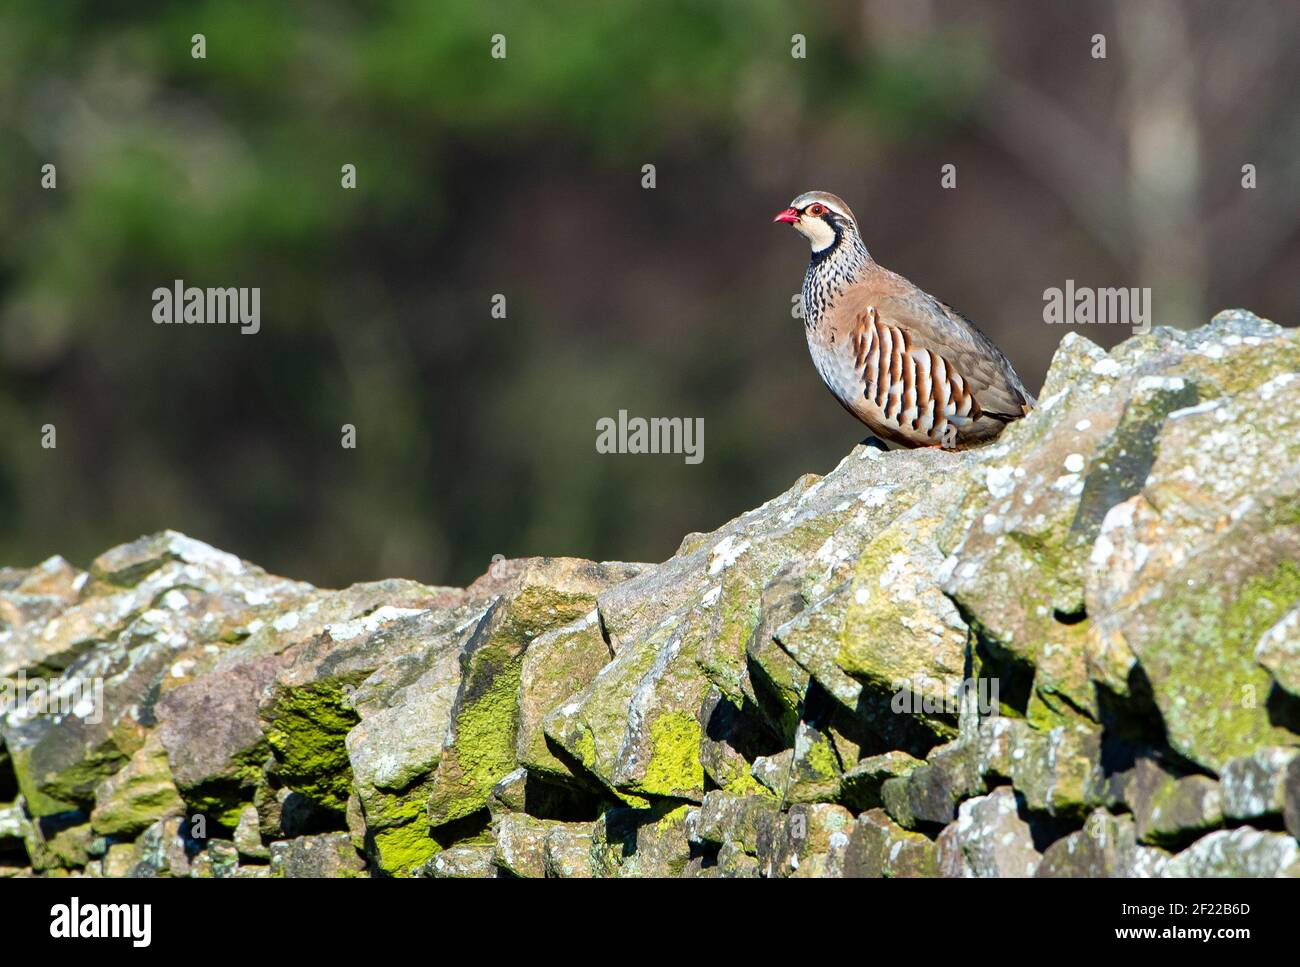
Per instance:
{"type": "Point", "coordinates": [914, 370]}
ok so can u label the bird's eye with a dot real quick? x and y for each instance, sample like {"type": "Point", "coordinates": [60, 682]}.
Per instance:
{"type": "Point", "coordinates": [817, 211]}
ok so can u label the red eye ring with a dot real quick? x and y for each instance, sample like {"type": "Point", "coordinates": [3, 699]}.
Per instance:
{"type": "Point", "coordinates": [817, 209]}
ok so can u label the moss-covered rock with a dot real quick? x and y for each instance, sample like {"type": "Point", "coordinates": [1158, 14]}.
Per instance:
{"type": "Point", "coordinates": [1254, 786]}
{"type": "Point", "coordinates": [309, 709]}
{"type": "Point", "coordinates": [556, 665]}
{"type": "Point", "coordinates": [779, 698]}
{"type": "Point", "coordinates": [860, 786]}
{"type": "Point", "coordinates": [1242, 852]}
{"type": "Point", "coordinates": [566, 850]}
{"type": "Point", "coordinates": [989, 838]}
{"type": "Point", "coordinates": [1278, 651]}
{"type": "Point", "coordinates": [731, 742]}
{"type": "Point", "coordinates": [214, 742]}
{"type": "Point", "coordinates": [142, 792]}
{"type": "Point", "coordinates": [1190, 573]}
{"type": "Point", "coordinates": [745, 823]}
{"type": "Point", "coordinates": [483, 734]}
{"type": "Point", "coordinates": [879, 848]}
{"type": "Point", "coordinates": [520, 842]}
{"type": "Point", "coordinates": [811, 842]}
{"type": "Point", "coordinates": [1106, 846]}
{"type": "Point", "coordinates": [1170, 810]}
{"type": "Point", "coordinates": [901, 635]}
{"type": "Point", "coordinates": [394, 749]}
{"type": "Point", "coordinates": [1057, 770]}
{"type": "Point", "coordinates": [144, 607]}
{"type": "Point", "coordinates": [463, 863]}
{"type": "Point", "coordinates": [651, 842]}
{"type": "Point", "coordinates": [328, 855]}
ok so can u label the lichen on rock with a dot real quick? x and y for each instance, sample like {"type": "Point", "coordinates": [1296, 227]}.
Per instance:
{"type": "Point", "coordinates": [789, 695]}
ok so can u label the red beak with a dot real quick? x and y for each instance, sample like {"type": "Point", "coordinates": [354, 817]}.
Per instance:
{"type": "Point", "coordinates": [789, 215]}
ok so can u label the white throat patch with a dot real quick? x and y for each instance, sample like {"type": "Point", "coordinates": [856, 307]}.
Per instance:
{"type": "Point", "coordinates": [818, 233]}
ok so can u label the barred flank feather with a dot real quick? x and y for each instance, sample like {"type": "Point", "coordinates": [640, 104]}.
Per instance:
{"type": "Point", "coordinates": [913, 369]}
{"type": "Point", "coordinates": [915, 388]}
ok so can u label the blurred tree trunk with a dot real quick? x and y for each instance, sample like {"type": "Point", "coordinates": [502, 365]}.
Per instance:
{"type": "Point", "coordinates": [1164, 149]}
{"type": "Point", "coordinates": [1155, 182]}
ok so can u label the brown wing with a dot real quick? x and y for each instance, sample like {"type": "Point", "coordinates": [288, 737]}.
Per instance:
{"type": "Point", "coordinates": [988, 372]}
{"type": "Point", "coordinates": [941, 329]}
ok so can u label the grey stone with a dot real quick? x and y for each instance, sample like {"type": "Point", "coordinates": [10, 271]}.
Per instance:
{"type": "Point", "coordinates": [462, 863]}
{"type": "Point", "coordinates": [988, 839]}
{"type": "Point", "coordinates": [1170, 811]}
{"type": "Point", "coordinates": [1237, 852]}
{"type": "Point", "coordinates": [880, 848]}
{"type": "Point", "coordinates": [328, 855]}
{"type": "Point", "coordinates": [1255, 785]}
{"type": "Point", "coordinates": [1105, 847]}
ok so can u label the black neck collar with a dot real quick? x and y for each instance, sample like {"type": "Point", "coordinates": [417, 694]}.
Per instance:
{"type": "Point", "coordinates": [818, 257]}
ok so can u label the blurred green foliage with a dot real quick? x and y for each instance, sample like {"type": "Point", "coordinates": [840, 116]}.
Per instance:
{"type": "Point", "coordinates": [475, 436]}
{"type": "Point", "coordinates": [475, 176]}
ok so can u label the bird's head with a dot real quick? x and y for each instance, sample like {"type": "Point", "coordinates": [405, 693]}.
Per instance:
{"type": "Point", "coordinates": [820, 217]}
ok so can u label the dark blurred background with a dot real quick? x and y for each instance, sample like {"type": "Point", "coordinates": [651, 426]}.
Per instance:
{"type": "Point", "coordinates": [522, 176]}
